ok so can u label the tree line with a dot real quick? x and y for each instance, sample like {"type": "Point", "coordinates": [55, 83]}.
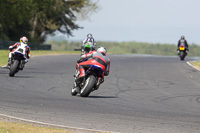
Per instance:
{"type": "Point", "coordinates": [38, 18]}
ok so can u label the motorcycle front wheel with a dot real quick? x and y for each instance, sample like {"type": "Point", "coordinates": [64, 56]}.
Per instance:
{"type": "Point", "coordinates": [13, 68]}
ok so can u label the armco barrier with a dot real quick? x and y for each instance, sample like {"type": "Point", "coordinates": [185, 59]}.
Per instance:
{"type": "Point", "coordinates": [34, 46]}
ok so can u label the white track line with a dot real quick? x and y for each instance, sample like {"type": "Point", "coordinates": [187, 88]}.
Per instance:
{"type": "Point", "coordinates": [192, 65]}
{"type": "Point", "coordinates": [54, 125]}
{"type": "Point", "coordinates": [48, 124]}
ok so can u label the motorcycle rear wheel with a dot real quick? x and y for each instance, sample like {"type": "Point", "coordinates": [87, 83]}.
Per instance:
{"type": "Point", "coordinates": [182, 55]}
{"type": "Point", "coordinates": [88, 87]}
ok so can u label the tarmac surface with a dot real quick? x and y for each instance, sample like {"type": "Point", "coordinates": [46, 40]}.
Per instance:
{"type": "Point", "coordinates": [142, 94]}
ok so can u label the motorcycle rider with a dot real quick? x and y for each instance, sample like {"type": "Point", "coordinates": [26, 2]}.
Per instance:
{"type": "Point", "coordinates": [21, 46]}
{"type": "Point", "coordinates": [90, 39]}
{"type": "Point", "coordinates": [182, 41]}
{"type": "Point", "coordinates": [94, 57]}
{"type": "Point", "coordinates": [87, 48]}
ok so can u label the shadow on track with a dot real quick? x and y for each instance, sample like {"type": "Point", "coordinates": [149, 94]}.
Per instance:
{"type": "Point", "coordinates": [4, 71]}
{"type": "Point", "coordinates": [24, 77]}
{"type": "Point", "coordinates": [102, 97]}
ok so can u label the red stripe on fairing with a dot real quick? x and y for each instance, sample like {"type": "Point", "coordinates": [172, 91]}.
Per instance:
{"type": "Point", "coordinates": [82, 72]}
{"type": "Point", "coordinates": [99, 64]}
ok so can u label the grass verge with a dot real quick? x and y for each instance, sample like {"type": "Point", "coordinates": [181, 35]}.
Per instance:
{"type": "Point", "coordinates": [17, 127]}
{"type": "Point", "coordinates": [9, 127]}
{"type": "Point", "coordinates": [196, 64]}
{"type": "Point", "coordinates": [3, 57]}
{"type": "Point", "coordinates": [4, 54]}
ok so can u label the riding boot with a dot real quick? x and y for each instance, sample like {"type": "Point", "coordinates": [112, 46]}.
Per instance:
{"type": "Point", "coordinates": [22, 65]}
{"type": "Point", "coordinates": [79, 80]}
{"type": "Point", "coordinates": [9, 63]}
{"type": "Point", "coordinates": [99, 81]}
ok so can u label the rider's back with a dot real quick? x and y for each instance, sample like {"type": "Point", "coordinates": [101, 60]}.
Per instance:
{"type": "Point", "coordinates": [101, 56]}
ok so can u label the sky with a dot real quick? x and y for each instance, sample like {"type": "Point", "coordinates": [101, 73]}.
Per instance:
{"type": "Point", "coordinates": [153, 21]}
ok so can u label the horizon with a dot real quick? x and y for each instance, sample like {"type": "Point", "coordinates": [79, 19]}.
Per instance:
{"type": "Point", "coordinates": [152, 21]}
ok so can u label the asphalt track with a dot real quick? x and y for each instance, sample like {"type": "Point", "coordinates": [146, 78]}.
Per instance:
{"type": "Point", "coordinates": [142, 94]}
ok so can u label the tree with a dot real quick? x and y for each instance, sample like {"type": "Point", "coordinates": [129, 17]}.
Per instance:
{"type": "Point", "coordinates": [38, 18]}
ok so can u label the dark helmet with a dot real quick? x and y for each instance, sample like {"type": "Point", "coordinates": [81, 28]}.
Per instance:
{"type": "Point", "coordinates": [89, 35]}
{"type": "Point", "coordinates": [182, 37]}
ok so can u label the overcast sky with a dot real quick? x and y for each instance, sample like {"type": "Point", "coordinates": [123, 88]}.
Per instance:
{"type": "Point", "coordinates": [155, 21]}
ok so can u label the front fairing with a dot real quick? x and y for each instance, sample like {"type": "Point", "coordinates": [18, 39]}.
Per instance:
{"type": "Point", "coordinates": [18, 56]}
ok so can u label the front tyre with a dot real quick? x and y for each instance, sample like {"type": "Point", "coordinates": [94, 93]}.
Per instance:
{"type": "Point", "coordinates": [88, 87]}
{"type": "Point", "coordinates": [13, 68]}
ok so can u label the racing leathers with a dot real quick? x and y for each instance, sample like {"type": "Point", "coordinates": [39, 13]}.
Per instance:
{"type": "Point", "coordinates": [184, 43]}
{"type": "Point", "coordinates": [94, 58]}
{"type": "Point", "coordinates": [21, 47]}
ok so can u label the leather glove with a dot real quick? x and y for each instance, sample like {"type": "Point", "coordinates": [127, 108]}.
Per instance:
{"type": "Point", "coordinates": [10, 48]}
{"type": "Point", "coordinates": [79, 61]}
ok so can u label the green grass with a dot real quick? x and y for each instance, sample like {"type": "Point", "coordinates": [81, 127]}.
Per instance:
{"type": "Point", "coordinates": [11, 127]}
{"type": "Point", "coordinates": [130, 47]}
{"type": "Point", "coordinates": [16, 127]}
{"type": "Point", "coordinates": [52, 52]}
{"type": "Point", "coordinates": [196, 64]}
{"type": "Point", "coordinates": [3, 57]}
{"type": "Point", "coordinates": [4, 54]}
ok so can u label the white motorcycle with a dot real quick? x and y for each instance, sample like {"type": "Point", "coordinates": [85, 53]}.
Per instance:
{"type": "Point", "coordinates": [17, 62]}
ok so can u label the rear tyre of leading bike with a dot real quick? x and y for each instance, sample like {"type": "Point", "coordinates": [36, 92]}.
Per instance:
{"type": "Point", "coordinates": [88, 86]}
{"type": "Point", "coordinates": [182, 56]}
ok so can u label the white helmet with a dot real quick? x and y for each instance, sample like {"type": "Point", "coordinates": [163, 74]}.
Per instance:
{"type": "Point", "coordinates": [24, 39]}
{"type": "Point", "coordinates": [102, 49]}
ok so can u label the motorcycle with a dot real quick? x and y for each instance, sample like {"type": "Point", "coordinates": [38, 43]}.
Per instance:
{"type": "Point", "coordinates": [90, 82]}
{"type": "Point", "coordinates": [17, 63]}
{"type": "Point", "coordinates": [182, 52]}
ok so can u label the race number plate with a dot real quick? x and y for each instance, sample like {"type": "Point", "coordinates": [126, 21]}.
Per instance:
{"type": "Point", "coordinates": [182, 48]}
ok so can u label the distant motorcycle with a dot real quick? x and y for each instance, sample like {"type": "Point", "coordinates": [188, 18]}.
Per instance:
{"type": "Point", "coordinates": [17, 62]}
{"type": "Point", "coordinates": [182, 52]}
{"type": "Point", "coordinates": [89, 83]}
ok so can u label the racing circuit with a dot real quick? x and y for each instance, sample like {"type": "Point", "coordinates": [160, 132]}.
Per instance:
{"type": "Point", "coordinates": [142, 94]}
